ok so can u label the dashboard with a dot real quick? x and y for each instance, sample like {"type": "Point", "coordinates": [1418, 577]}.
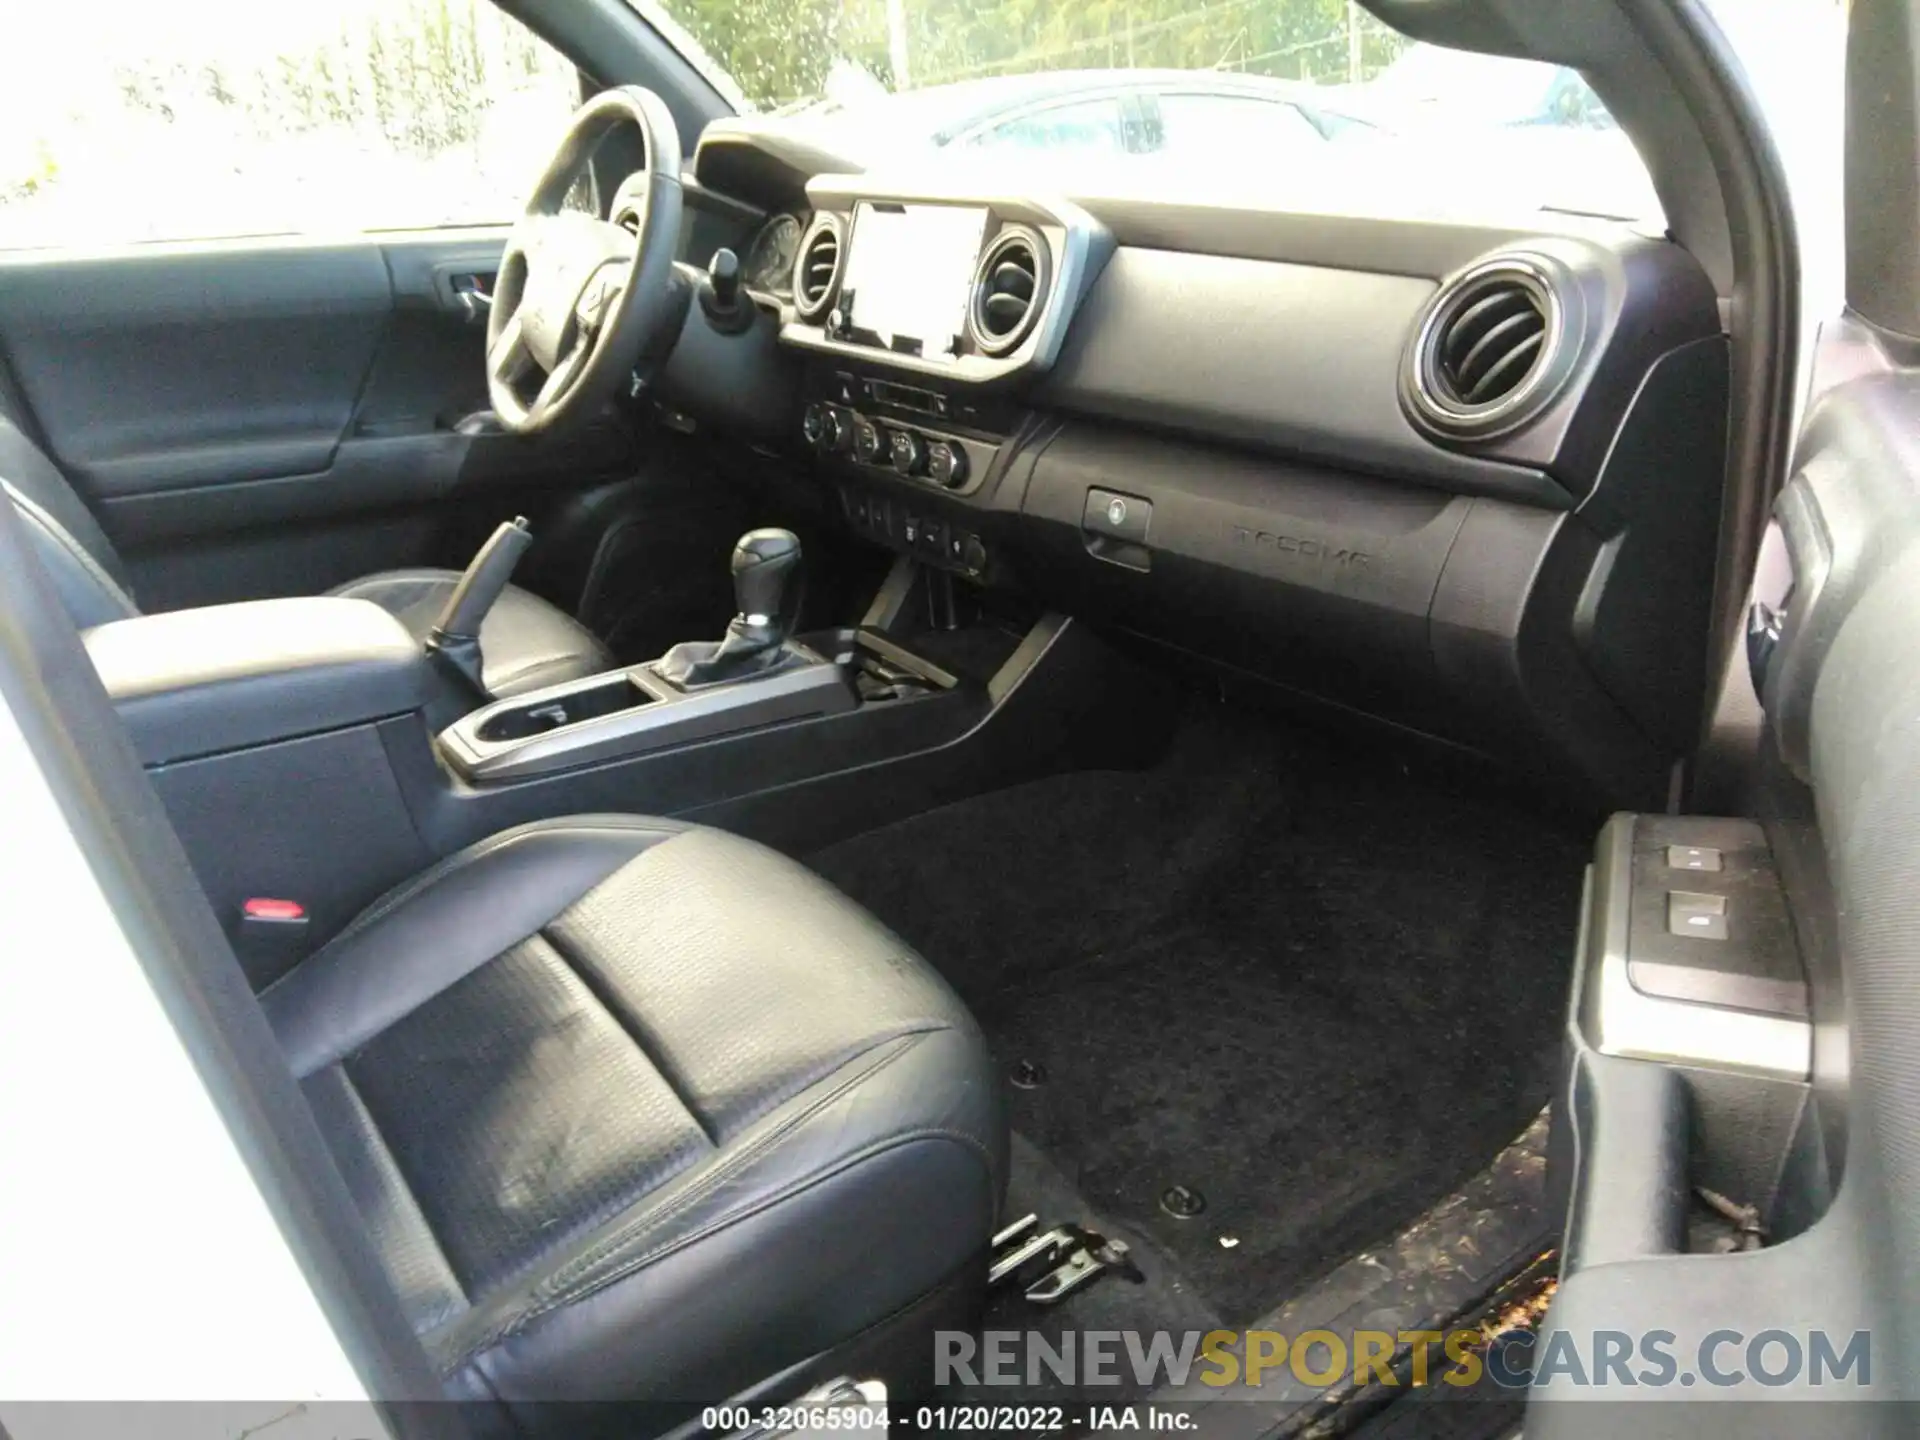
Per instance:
{"type": "Point", "coordinates": [1460, 479]}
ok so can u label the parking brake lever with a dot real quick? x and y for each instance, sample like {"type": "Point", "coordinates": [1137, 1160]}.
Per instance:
{"type": "Point", "coordinates": [455, 637]}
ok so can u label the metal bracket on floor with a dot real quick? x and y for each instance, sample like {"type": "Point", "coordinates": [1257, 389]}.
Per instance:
{"type": "Point", "coordinates": [1076, 1257]}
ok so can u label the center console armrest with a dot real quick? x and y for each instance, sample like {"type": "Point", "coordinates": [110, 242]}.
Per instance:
{"type": "Point", "coordinates": [226, 677]}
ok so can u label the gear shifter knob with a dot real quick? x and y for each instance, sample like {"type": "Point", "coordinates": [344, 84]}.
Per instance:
{"type": "Point", "coordinates": [766, 588]}
{"type": "Point", "coordinates": [766, 564]}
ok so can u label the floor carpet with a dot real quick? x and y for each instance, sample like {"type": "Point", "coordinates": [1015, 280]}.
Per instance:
{"type": "Point", "coordinates": [1318, 982]}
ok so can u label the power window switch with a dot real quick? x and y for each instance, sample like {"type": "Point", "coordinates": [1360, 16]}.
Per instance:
{"type": "Point", "coordinates": [1692, 857]}
{"type": "Point", "coordinates": [1697, 916]}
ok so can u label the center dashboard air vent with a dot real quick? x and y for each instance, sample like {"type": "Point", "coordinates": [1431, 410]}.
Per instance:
{"type": "Point", "coordinates": [816, 273]}
{"type": "Point", "coordinates": [1492, 351]}
{"type": "Point", "coordinates": [1009, 290]}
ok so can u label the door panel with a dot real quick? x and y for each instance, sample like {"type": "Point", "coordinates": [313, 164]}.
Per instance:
{"type": "Point", "coordinates": [1835, 605]}
{"type": "Point", "coordinates": [168, 370]}
{"type": "Point", "coordinates": [313, 392]}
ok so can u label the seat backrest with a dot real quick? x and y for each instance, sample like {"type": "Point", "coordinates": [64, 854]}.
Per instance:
{"type": "Point", "coordinates": [86, 571]}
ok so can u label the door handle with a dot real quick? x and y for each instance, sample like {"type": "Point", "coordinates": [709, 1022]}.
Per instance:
{"type": "Point", "coordinates": [472, 294]}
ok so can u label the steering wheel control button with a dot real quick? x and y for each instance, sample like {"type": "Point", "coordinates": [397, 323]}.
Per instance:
{"type": "Point", "coordinates": [1120, 517]}
{"type": "Point", "coordinates": [909, 453]}
{"type": "Point", "coordinates": [946, 464]}
{"type": "Point", "coordinates": [1697, 916]}
{"type": "Point", "coordinates": [1692, 857]}
{"type": "Point", "coordinates": [869, 445]}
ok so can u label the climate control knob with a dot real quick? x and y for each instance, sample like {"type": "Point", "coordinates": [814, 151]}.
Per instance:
{"type": "Point", "coordinates": [946, 464]}
{"type": "Point", "coordinates": [813, 424]}
{"type": "Point", "coordinates": [908, 452]}
{"type": "Point", "coordinates": [869, 444]}
{"type": "Point", "coordinates": [836, 432]}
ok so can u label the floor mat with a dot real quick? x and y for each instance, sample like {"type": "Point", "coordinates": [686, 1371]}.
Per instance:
{"type": "Point", "coordinates": [1305, 978]}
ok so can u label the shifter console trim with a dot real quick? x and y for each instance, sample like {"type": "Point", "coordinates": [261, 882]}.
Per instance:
{"type": "Point", "coordinates": [662, 716]}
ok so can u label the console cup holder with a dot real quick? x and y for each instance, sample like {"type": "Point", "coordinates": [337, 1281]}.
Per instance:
{"type": "Point", "coordinates": [539, 715]}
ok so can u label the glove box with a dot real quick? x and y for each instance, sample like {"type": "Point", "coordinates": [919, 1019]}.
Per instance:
{"type": "Point", "coordinates": [1317, 581]}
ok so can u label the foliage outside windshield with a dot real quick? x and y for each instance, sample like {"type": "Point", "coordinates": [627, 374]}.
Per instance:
{"type": "Point", "coordinates": [780, 51]}
{"type": "Point", "coordinates": [1294, 100]}
{"type": "Point", "coordinates": [126, 120]}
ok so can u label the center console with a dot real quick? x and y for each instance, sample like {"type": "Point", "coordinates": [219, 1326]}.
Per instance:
{"type": "Point", "coordinates": [232, 677]}
{"type": "Point", "coordinates": [913, 467]}
{"type": "Point", "coordinates": [754, 676]}
{"type": "Point", "coordinates": [313, 753]}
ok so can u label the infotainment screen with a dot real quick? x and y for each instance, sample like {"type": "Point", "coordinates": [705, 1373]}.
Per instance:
{"type": "Point", "coordinates": [910, 268]}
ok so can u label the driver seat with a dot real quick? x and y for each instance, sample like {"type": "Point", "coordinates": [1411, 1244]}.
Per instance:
{"type": "Point", "coordinates": [527, 643]}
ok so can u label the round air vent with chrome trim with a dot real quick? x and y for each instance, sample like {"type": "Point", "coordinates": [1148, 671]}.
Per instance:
{"type": "Point", "coordinates": [1009, 290]}
{"type": "Point", "coordinates": [816, 269]}
{"type": "Point", "coordinates": [1493, 348]}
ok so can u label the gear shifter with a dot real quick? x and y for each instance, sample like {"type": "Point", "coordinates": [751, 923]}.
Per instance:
{"type": "Point", "coordinates": [766, 592]}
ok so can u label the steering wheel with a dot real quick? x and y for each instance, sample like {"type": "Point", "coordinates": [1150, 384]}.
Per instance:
{"type": "Point", "coordinates": [583, 303]}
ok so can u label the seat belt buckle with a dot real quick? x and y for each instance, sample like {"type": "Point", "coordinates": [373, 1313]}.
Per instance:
{"type": "Point", "coordinates": [262, 910]}
{"type": "Point", "coordinates": [272, 934]}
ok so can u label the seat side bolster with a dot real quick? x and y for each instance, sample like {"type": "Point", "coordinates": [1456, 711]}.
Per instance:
{"type": "Point", "coordinates": [439, 927]}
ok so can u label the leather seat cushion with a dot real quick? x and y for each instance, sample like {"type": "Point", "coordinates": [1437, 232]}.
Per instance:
{"type": "Point", "coordinates": [526, 644]}
{"type": "Point", "coordinates": [638, 1110]}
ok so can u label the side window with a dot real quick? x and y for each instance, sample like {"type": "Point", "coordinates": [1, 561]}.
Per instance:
{"type": "Point", "coordinates": [1083, 126]}
{"type": "Point", "coordinates": [223, 119]}
{"type": "Point", "coordinates": [1210, 129]}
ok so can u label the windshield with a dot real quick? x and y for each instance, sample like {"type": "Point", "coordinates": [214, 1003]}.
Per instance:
{"type": "Point", "coordinates": [1300, 102]}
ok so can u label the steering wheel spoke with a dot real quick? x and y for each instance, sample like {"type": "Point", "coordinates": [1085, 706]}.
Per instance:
{"type": "Point", "coordinates": [564, 375]}
{"type": "Point", "coordinates": [509, 360]}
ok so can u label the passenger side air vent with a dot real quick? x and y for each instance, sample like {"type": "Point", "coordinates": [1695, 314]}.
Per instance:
{"type": "Point", "coordinates": [1009, 290]}
{"type": "Point", "coordinates": [1492, 350]}
{"type": "Point", "coordinates": [816, 274]}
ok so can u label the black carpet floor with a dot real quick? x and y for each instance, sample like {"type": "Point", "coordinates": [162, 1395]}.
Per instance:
{"type": "Point", "coordinates": [1318, 982]}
